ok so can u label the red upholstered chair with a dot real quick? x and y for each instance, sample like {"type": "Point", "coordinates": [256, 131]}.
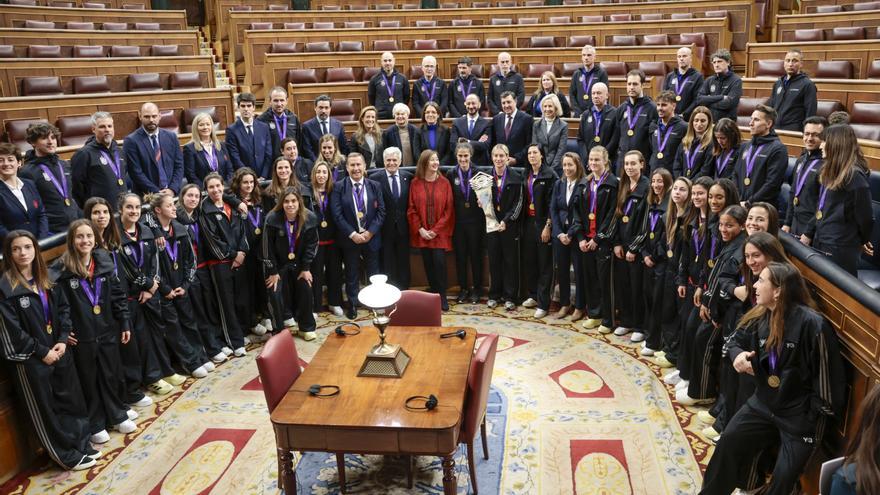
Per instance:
{"type": "Point", "coordinates": [680, 16]}
{"type": "Point", "coordinates": [351, 46]}
{"type": "Point", "coordinates": [7, 51]}
{"type": "Point", "coordinates": [847, 33]}
{"type": "Point", "coordinates": [389, 24]}
{"type": "Point", "coordinates": [164, 51]}
{"type": "Point", "coordinates": [44, 51]}
{"type": "Point", "coordinates": [426, 23]}
{"type": "Point", "coordinates": [623, 40]}
{"type": "Point", "coordinates": [260, 26]}
{"type": "Point", "coordinates": [701, 41]}
{"type": "Point", "coordinates": [462, 22]}
{"type": "Point", "coordinates": [41, 86]}
{"type": "Point", "coordinates": [90, 85]}
{"type": "Point", "coordinates": [168, 120]}
{"type": "Point", "coordinates": [497, 43]}
{"type": "Point", "coordinates": [824, 108]}
{"type": "Point", "coordinates": [416, 72]}
{"type": "Point", "coordinates": [506, 3]}
{"type": "Point", "coordinates": [424, 44]}
{"type": "Point", "coordinates": [653, 68]}
{"type": "Point", "coordinates": [461, 44]}
{"type": "Point", "coordinates": [587, 19]}
{"type": "Point", "coordinates": [339, 74]}
{"type": "Point", "coordinates": [865, 120]}
{"type": "Point", "coordinates": [581, 40]}
{"type": "Point", "coordinates": [477, 70]}
{"type": "Point", "coordinates": [368, 73]}
{"type": "Point", "coordinates": [874, 69]}
{"type": "Point", "coordinates": [94, 5]}
{"type": "Point", "coordinates": [354, 24]}
{"type": "Point", "coordinates": [294, 25]}
{"type": "Point", "coordinates": [655, 40]}
{"type": "Point", "coordinates": [809, 35]}
{"type": "Point", "coordinates": [16, 132]}
{"type": "Point", "coordinates": [542, 42]}
{"type": "Point", "coordinates": [114, 26]}
{"type": "Point", "coordinates": [476, 399]}
{"type": "Point", "coordinates": [501, 21]}
{"type": "Point", "coordinates": [302, 76]}
{"type": "Point", "coordinates": [147, 26]}
{"type": "Point", "coordinates": [770, 68]}
{"type": "Point", "coordinates": [527, 20]}
{"type": "Point", "coordinates": [385, 45]}
{"type": "Point", "coordinates": [88, 51]}
{"type": "Point", "coordinates": [745, 109]}
{"type": "Point", "coordinates": [559, 19]}
{"type": "Point", "coordinates": [827, 9]}
{"type": "Point", "coordinates": [323, 25]}
{"type": "Point", "coordinates": [284, 47]}
{"type": "Point", "coordinates": [75, 130]}
{"type": "Point", "coordinates": [384, 6]}
{"type": "Point", "coordinates": [572, 2]}
{"type": "Point", "coordinates": [85, 26]}
{"type": "Point", "coordinates": [30, 24]}
{"type": "Point", "coordinates": [417, 308]}
{"type": "Point", "coordinates": [651, 17]}
{"type": "Point", "coordinates": [620, 17]}
{"type": "Point", "coordinates": [274, 6]}
{"type": "Point", "coordinates": [145, 81]}
{"type": "Point", "coordinates": [185, 80]}
{"type": "Point", "coordinates": [569, 68]}
{"type": "Point", "coordinates": [614, 68]}
{"type": "Point", "coordinates": [834, 69]}
{"type": "Point", "coordinates": [342, 109]}
{"type": "Point", "coordinates": [537, 70]}
{"type": "Point", "coordinates": [318, 47]}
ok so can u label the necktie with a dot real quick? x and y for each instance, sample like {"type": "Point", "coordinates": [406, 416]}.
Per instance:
{"type": "Point", "coordinates": [249, 131]}
{"type": "Point", "coordinates": [157, 151]}
{"type": "Point", "coordinates": [470, 127]}
{"type": "Point", "coordinates": [395, 189]}
{"type": "Point", "coordinates": [507, 126]}
{"type": "Point", "coordinates": [324, 127]}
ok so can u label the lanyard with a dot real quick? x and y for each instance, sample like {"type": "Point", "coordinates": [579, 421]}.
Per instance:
{"type": "Point", "coordinates": [750, 163]}
{"type": "Point", "coordinates": [662, 145]}
{"type": "Point", "coordinates": [594, 188]}
{"type": "Point", "coordinates": [632, 120]}
{"type": "Point", "coordinates": [461, 89]}
{"type": "Point", "coordinates": [465, 185]}
{"type": "Point", "coordinates": [60, 185]}
{"type": "Point", "coordinates": [587, 83]}
{"type": "Point", "coordinates": [426, 85]}
{"type": "Point", "coordinates": [115, 164]}
{"type": "Point", "coordinates": [720, 166]}
{"type": "Point", "coordinates": [803, 178]}
{"type": "Point", "coordinates": [503, 180]}
{"type": "Point", "coordinates": [211, 158]}
{"type": "Point", "coordinates": [281, 127]}
{"type": "Point", "coordinates": [256, 217]}
{"type": "Point", "coordinates": [690, 158]}
{"type": "Point", "coordinates": [291, 239]}
{"type": "Point", "coordinates": [390, 85]}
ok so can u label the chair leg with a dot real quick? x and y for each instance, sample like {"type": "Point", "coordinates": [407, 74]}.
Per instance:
{"type": "Point", "coordinates": [410, 460]}
{"type": "Point", "coordinates": [485, 440]}
{"type": "Point", "coordinates": [340, 467]}
{"type": "Point", "coordinates": [471, 467]}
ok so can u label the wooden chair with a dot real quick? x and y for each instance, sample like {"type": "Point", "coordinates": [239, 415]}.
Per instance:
{"type": "Point", "coordinates": [475, 401]}
{"type": "Point", "coordinates": [417, 308]}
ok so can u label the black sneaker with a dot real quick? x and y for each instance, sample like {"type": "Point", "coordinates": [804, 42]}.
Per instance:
{"type": "Point", "coordinates": [475, 296]}
{"type": "Point", "coordinates": [462, 296]}
{"type": "Point", "coordinates": [351, 313]}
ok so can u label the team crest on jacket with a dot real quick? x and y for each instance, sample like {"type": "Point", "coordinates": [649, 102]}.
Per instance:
{"type": "Point", "coordinates": [74, 283]}
{"type": "Point", "coordinates": [272, 125]}
{"type": "Point", "coordinates": [128, 250]}
{"type": "Point", "coordinates": [712, 88]}
{"type": "Point", "coordinates": [218, 216]}
{"type": "Point", "coordinates": [46, 177]}
{"type": "Point", "coordinates": [25, 302]}
{"type": "Point", "coordinates": [103, 161]}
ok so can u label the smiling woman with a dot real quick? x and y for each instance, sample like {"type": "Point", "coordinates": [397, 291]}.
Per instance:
{"type": "Point", "coordinates": [20, 203]}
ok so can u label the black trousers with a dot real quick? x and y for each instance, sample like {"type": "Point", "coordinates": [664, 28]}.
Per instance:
{"type": "Point", "coordinates": [846, 257]}
{"type": "Point", "coordinates": [751, 431]}
{"type": "Point", "coordinates": [189, 327]}
{"type": "Point", "coordinates": [353, 256]}
{"type": "Point", "coordinates": [564, 257]}
{"type": "Point", "coordinates": [705, 356]}
{"type": "Point", "coordinates": [204, 303]}
{"type": "Point", "coordinates": [395, 260]}
{"type": "Point", "coordinates": [630, 295]}
{"type": "Point", "coordinates": [140, 362]}
{"type": "Point", "coordinates": [537, 263]}
{"type": "Point", "coordinates": [689, 316]}
{"type": "Point", "coordinates": [293, 297]}
{"type": "Point", "coordinates": [222, 291]}
{"type": "Point", "coordinates": [250, 296]}
{"type": "Point", "coordinates": [54, 400]}
{"type": "Point", "coordinates": [174, 340]}
{"type": "Point", "coordinates": [598, 277]}
{"type": "Point", "coordinates": [99, 369]}
{"type": "Point", "coordinates": [434, 261]}
{"type": "Point", "coordinates": [661, 308]}
{"type": "Point", "coordinates": [504, 264]}
{"type": "Point", "coordinates": [468, 243]}
{"type": "Point", "coordinates": [327, 270]}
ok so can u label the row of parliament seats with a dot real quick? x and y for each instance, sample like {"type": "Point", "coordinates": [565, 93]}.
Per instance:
{"type": "Point", "coordinates": [85, 5]}
{"type": "Point", "coordinates": [88, 51]}
{"type": "Point", "coordinates": [85, 25]}
{"type": "Point", "coordinates": [53, 85]}
{"type": "Point", "coordinates": [856, 7]}
{"type": "Point", "coordinates": [864, 116]}
{"type": "Point", "coordinates": [822, 69]}
{"type": "Point", "coordinates": [475, 5]}
{"type": "Point", "coordinates": [845, 33]}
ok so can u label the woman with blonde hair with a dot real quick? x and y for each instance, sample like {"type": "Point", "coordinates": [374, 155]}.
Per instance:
{"type": "Point", "coordinates": [550, 132]}
{"type": "Point", "coordinates": [329, 153]}
{"type": "Point", "coordinates": [367, 138]}
{"type": "Point", "coordinates": [205, 153]}
{"type": "Point", "coordinates": [548, 86]}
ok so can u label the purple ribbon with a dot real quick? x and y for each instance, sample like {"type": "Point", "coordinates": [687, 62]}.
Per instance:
{"type": "Point", "coordinates": [500, 187]}
{"type": "Point", "coordinates": [594, 187]}
{"type": "Point", "coordinates": [720, 166]}
{"type": "Point", "coordinates": [255, 219]}
{"type": "Point", "coordinates": [291, 235]}
{"type": "Point", "coordinates": [690, 158]}
{"type": "Point", "coordinates": [661, 146]}
{"type": "Point", "coordinates": [60, 186]}
{"type": "Point", "coordinates": [137, 253]}
{"type": "Point", "coordinates": [335, 174]}
{"type": "Point", "coordinates": [322, 204]}
{"type": "Point", "coordinates": [822, 196]}
{"type": "Point", "coordinates": [712, 248]}
{"type": "Point", "coordinates": [390, 86]}
{"type": "Point", "coordinates": [195, 229]}
{"type": "Point", "coordinates": [433, 89]}
{"type": "Point", "coordinates": [93, 297]}
{"type": "Point", "coordinates": [359, 199]}
{"type": "Point", "coordinates": [281, 127]}
{"type": "Point", "coordinates": [461, 89]}
{"type": "Point", "coordinates": [173, 248]}
{"type": "Point", "coordinates": [632, 120]}
{"type": "Point", "coordinates": [774, 359]}
{"type": "Point", "coordinates": [803, 178]}
{"type": "Point", "coordinates": [465, 185]}
{"type": "Point", "coordinates": [44, 300]}
{"type": "Point", "coordinates": [586, 83]}
{"type": "Point", "coordinates": [655, 217]}
{"type": "Point", "coordinates": [597, 121]}
{"type": "Point", "coordinates": [750, 160]}
{"type": "Point", "coordinates": [698, 243]}
{"type": "Point", "coordinates": [680, 86]}
{"type": "Point", "coordinates": [115, 164]}
{"type": "Point", "coordinates": [211, 158]}
{"type": "Point", "coordinates": [530, 183]}
{"type": "Point", "coordinates": [628, 207]}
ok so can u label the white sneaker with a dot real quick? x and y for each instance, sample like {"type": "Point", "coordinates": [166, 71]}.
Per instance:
{"type": "Point", "coordinates": [337, 311]}
{"type": "Point", "coordinates": [132, 414]}
{"type": "Point", "coordinates": [602, 329]}
{"type": "Point", "coordinates": [84, 463]}
{"type": "Point", "coordinates": [637, 337]}
{"type": "Point", "coordinates": [509, 306]}
{"type": "Point", "coordinates": [646, 351]}
{"type": "Point", "coordinates": [539, 313]}
{"type": "Point", "coordinates": [530, 303]}
{"type": "Point", "coordinates": [705, 417]}
{"type": "Point", "coordinates": [307, 336]}
{"type": "Point", "coordinates": [682, 397]}
{"type": "Point", "coordinates": [100, 437]}
{"type": "Point", "coordinates": [247, 341]}
{"type": "Point", "coordinates": [491, 303]}
{"type": "Point", "coordinates": [199, 372]}
{"type": "Point", "coordinates": [241, 351]}
{"type": "Point", "coordinates": [259, 330]}
{"type": "Point", "coordinates": [220, 357]}
{"type": "Point", "coordinates": [125, 427]}
{"type": "Point", "coordinates": [267, 324]}
{"type": "Point", "coordinates": [620, 331]}
{"type": "Point", "coordinates": [145, 402]}
{"type": "Point", "coordinates": [290, 323]}
{"type": "Point", "coordinates": [315, 316]}
{"type": "Point", "coordinates": [682, 384]}
{"type": "Point", "coordinates": [209, 366]}
{"type": "Point", "coordinates": [226, 350]}
{"type": "Point", "coordinates": [672, 378]}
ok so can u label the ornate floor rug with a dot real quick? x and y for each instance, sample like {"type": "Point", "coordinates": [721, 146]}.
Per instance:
{"type": "Point", "coordinates": [571, 413]}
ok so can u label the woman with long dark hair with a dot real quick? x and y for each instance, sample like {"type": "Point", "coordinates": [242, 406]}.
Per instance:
{"type": "Point", "coordinates": [565, 251]}
{"type": "Point", "coordinates": [327, 267]}
{"type": "Point", "coordinates": [537, 252]}
{"type": "Point", "coordinates": [469, 233]}
{"type": "Point", "coordinates": [433, 135]}
{"type": "Point", "coordinates": [654, 256]}
{"type": "Point", "coordinates": [725, 149]}
{"type": "Point", "coordinates": [860, 473]}
{"type": "Point", "coordinates": [251, 305]}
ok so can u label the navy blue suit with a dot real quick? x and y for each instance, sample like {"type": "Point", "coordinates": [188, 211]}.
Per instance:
{"type": "Point", "coordinates": [246, 151]}
{"type": "Point", "coordinates": [13, 216]}
{"type": "Point", "coordinates": [196, 166]}
{"type": "Point", "coordinates": [342, 207]}
{"type": "Point", "coordinates": [312, 133]}
{"type": "Point", "coordinates": [395, 229]}
{"type": "Point", "coordinates": [519, 138]}
{"type": "Point", "coordinates": [482, 127]}
{"type": "Point", "coordinates": [142, 166]}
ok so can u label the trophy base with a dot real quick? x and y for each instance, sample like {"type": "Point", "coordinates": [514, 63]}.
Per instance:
{"type": "Point", "coordinates": [385, 361]}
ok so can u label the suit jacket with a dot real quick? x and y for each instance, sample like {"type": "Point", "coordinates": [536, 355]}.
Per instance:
{"type": "Point", "coordinates": [196, 166]}
{"type": "Point", "coordinates": [292, 130]}
{"type": "Point", "coordinates": [344, 214]}
{"type": "Point", "coordinates": [482, 127]}
{"type": "Point", "coordinates": [520, 136]}
{"type": "Point", "coordinates": [255, 153]}
{"type": "Point", "coordinates": [312, 133]}
{"type": "Point", "coordinates": [441, 143]}
{"type": "Point", "coordinates": [394, 228]}
{"type": "Point", "coordinates": [553, 143]}
{"type": "Point", "coordinates": [561, 216]}
{"type": "Point", "coordinates": [13, 216]}
{"type": "Point", "coordinates": [142, 166]}
{"type": "Point", "coordinates": [391, 137]}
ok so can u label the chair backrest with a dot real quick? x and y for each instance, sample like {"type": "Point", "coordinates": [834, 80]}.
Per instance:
{"type": "Point", "coordinates": [86, 51]}
{"type": "Point", "coordinates": [114, 26]}
{"type": "Point", "coordinates": [847, 33]}
{"type": "Point", "coordinates": [462, 22]}
{"type": "Point", "coordinates": [164, 51]}
{"type": "Point", "coordinates": [169, 121]}
{"type": "Point", "coordinates": [828, 469]}
{"type": "Point", "coordinates": [44, 51]}
{"type": "Point", "coordinates": [614, 67]}
{"type": "Point", "coordinates": [185, 80]}
{"type": "Point", "coordinates": [284, 47]}
{"type": "Point", "coordinates": [461, 44]}
{"type": "Point", "coordinates": [369, 72]}
{"type": "Point", "coordinates": [416, 71]}
{"type": "Point", "coordinates": [656, 68]}
{"type": "Point", "coordinates": [687, 15]}
{"type": "Point", "coordinates": [497, 43]}
{"type": "Point", "coordinates": [318, 46]}
{"type": "Point", "coordinates": [302, 76]}
{"type": "Point", "coordinates": [809, 35]}
{"type": "Point", "coordinates": [477, 394]}
{"type": "Point", "coordinates": [125, 51]}
{"type": "Point", "coordinates": [580, 40]}
{"type": "Point", "coordinates": [260, 26]}
{"type": "Point", "coordinates": [527, 20]}
{"type": "Point", "coordinates": [16, 132]}
{"type": "Point", "coordinates": [620, 17]}
{"type": "Point", "coordinates": [385, 45]}
{"type": "Point", "coordinates": [190, 113]}
{"type": "Point", "coordinates": [866, 6]}
{"type": "Point", "coordinates": [623, 40]}
{"type": "Point", "coordinates": [294, 25]}
{"type": "Point", "coordinates": [31, 24]}
{"type": "Point", "coordinates": [834, 69]}
{"type": "Point", "coordinates": [569, 68]}
{"type": "Point", "coordinates": [75, 130]}
{"type": "Point", "coordinates": [81, 25]}
{"type": "Point", "coordinates": [770, 68]}
{"type": "Point", "coordinates": [874, 69]}
{"type": "Point", "coordinates": [865, 113]}
{"type": "Point", "coordinates": [426, 23]}
{"type": "Point", "coordinates": [824, 108]}
{"type": "Point", "coordinates": [537, 70]}
{"type": "Point", "coordinates": [322, 25]}
{"type": "Point", "coordinates": [145, 81]}
{"type": "Point", "coordinates": [343, 109]}
{"type": "Point", "coordinates": [559, 19]}
{"type": "Point", "coordinates": [424, 44]}
{"type": "Point", "coordinates": [586, 19]}
{"type": "Point", "coordinates": [147, 26]}
{"type": "Point", "coordinates": [275, 6]}
{"type": "Point", "coordinates": [389, 24]}
{"type": "Point", "coordinates": [542, 42]}
{"type": "Point", "coordinates": [339, 74]}
{"type": "Point", "coordinates": [745, 109]}
{"type": "Point", "coordinates": [655, 40]}
{"type": "Point", "coordinates": [501, 21]}
{"type": "Point", "coordinates": [41, 86]}
{"type": "Point", "coordinates": [417, 308]}
{"type": "Point", "coordinates": [7, 51]}
{"type": "Point", "coordinates": [655, 16]}
{"type": "Point", "coordinates": [827, 9]}
{"type": "Point", "coordinates": [278, 364]}
{"type": "Point", "coordinates": [351, 46]}
{"type": "Point", "coordinates": [90, 84]}
{"type": "Point", "coordinates": [353, 24]}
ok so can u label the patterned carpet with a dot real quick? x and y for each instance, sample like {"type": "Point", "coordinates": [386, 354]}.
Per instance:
{"type": "Point", "coordinates": [576, 414]}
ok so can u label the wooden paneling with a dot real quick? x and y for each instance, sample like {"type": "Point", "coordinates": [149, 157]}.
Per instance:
{"type": "Point", "coordinates": [809, 6]}
{"type": "Point", "coordinates": [15, 15]}
{"type": "Point", "coordinates": [111, 4]}
{"type": "Point", "coordinates": [861, 53]}
{"type": "Point", "coordinates": [187, 41]}
{"type": "Point", "coordinates": [258, 43]}
{"type": "Point", "coordinates": [117, 70]}
{"type": "Point", "coordinates": [787, 24]}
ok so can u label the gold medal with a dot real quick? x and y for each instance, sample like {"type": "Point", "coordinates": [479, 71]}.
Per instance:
{"type": "Point", "coordinates": [773, 381]}
{"type": "Point", "coordinates": [176, 266]}
{"type": "Point", "coordinates": [669, 254]}
{"type": "Point", "coordinates": [467, 204]}
{"type": "Point", "coordinates": [747, 181]}
{"type": "Point", "coordinates": [291, 256]}
{"type": "Point", "coordinates": [592, 216]}
{"type": "Point", "coordinates": [49, 328]}
{"type": "Point", "coordinates": [120, 182]}
{"type": "Point", "coordinates": [66, 201]}
{"type": "Point", "coordinates": [819, 215]}
{"type": "Point", "coordinates": [391, 99]}
{"type": "Point", "coordinates": [531, 206]}
{"type": "Point", "coordinates": [258, 231]}
{"type": "Point", "coordinates": [586, 97]}
{"type": "Point", "coordinates": [625, 219]}
{"type": "Point", "coordinates": [660, 155]}
{"type": "Point", "coordinates": [711, 263]}
{"type": "Point", "coordinates": [597, 139]}
{"type": "Point", "coordinates": [324, 224]}
{"type": "Point", "coordinates": [498, 207]}
{"type": "Point", "coordinates": [677, 97]}
{"type": "Point", "coordinates": [96, 309]}
{"type": "Point", "coordinates": [795, 201]}
{"type": "Point", "coordinates": [360, 214]}
{"type": "Point", "coordinates": [630, 132]}
{"type": "Point", "coordinates": [697, 258]}
{"type": "Point", "coordinates": [651, 236]}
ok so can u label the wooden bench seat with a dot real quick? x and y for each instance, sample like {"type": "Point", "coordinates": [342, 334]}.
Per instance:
{"type": "Point", "coordinates": [860, 53]}
{"type": "Point", "coordinates": [186, 41]}
{"type": "Point", "coordinates": [810, 6]}
{"type": "Point", "coordinates": [16, 15]}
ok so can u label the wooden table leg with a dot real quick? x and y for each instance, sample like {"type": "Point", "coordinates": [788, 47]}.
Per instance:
{"type": "Point", "coordinates": [340, 467]}
{"type": "Point", "coordinates": [288, 475]}
{"type": "Point", "coordinates": [449, 483]}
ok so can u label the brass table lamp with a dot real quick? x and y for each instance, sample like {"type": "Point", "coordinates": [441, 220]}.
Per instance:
{"type": "Point", "coordinates": [384, 359]}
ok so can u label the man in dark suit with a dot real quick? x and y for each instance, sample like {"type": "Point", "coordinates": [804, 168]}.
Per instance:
{"type": "Point", "coordinates": [321, 124]}
{"type": "Point", "coordinates": [154, 158]}
{"type": "Point", "coordinates": [473, 129]}
{"type": "Point", "coordinates": [512, 128]}
{"type": "Point", "coordinates": [248, 140]}
{"type": "Point", "coordinates": [395, 230]}
{"type": "Point", "coordinates": [98, 168]}
{"type": "Point", "coordinates": [281, 121]}
{"type": "Point", "coordinates": [358, 210]}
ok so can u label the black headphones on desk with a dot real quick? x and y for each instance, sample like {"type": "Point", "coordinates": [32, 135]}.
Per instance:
{"type": "Point", "coordinates": [430, 403]}
{"type": "Point", "coordinates": [340, 330]}
{"type": "Point", "coordinates": [315, 390]}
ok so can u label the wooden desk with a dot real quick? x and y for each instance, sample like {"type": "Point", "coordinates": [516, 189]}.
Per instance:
{"type": "Point", "coordinates": [368, 416]}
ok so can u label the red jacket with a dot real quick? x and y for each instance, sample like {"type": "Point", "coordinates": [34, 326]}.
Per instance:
{"type": "Point", "coordinates": [439, 194]}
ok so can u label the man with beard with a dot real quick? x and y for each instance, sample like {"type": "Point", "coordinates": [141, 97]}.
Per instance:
{"type": "Point", "coordinates": [153, 155]}
{"type": "Point", "coordinates": [99, 167]}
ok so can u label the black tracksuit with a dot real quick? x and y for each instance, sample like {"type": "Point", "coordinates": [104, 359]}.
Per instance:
{"type": "Point", "coordinates": [663, 152]}
{"type": "Point", "coordinates": [504, 246]}
{"type": "Point", "coordinates": [459, 89]}
{"type": "Point", "coordinates": [660, 291]}
{"type": "Point", "coordinates": [630, 233]}
{"type": "Point", "coordinates": [498, 84]}
{"type": "Point", "coordinates": [94, 173]}
{"type": "Point", "coordinates": [327, 266]}
{"type": "Point", "coordinates": [764, 181]}
{"type": "Point", "coordinates": [805, 187]}
{"type": "Point", "coordinates": [609, 132]}
{"type": "Point", "coordinates": [696, 249]}
{"type": "Point", "coordinates": [722, 164]}
{"type": "Point", "coordinates": [794, 99]}
{"type": "Point", "coordinates": [643, 113]}
{"type": "Point", "coordinates": [293, 293]}
{"type": "Point", "coordinates": [251, 303]}
{"type": "Point", "coordinates": [469, 234]}
{"type": "Point", "coordinates": [41, 170]}
{"type": "Point", "coordinates": [537, 256]}
{"type": "Point", "coordinates": [721, 94]}
{"type": "Point", "coordinates": [379, 96]}
{"type": "Point", "coordinates": [424, 91]}
{"type": "Point", "coordinates": [686, 88]}
{"type": "Point", "coordinates": [693, 161]}
{"type": "Point", "coordinates": [567, 256]}
{"type": "Point", "coordinates": [286, 125]}
{"type": "Point", "coordinates": [581, 87]}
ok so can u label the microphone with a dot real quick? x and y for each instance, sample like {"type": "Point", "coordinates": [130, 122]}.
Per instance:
{"type": "Point", "coordinates": [462, 333]}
